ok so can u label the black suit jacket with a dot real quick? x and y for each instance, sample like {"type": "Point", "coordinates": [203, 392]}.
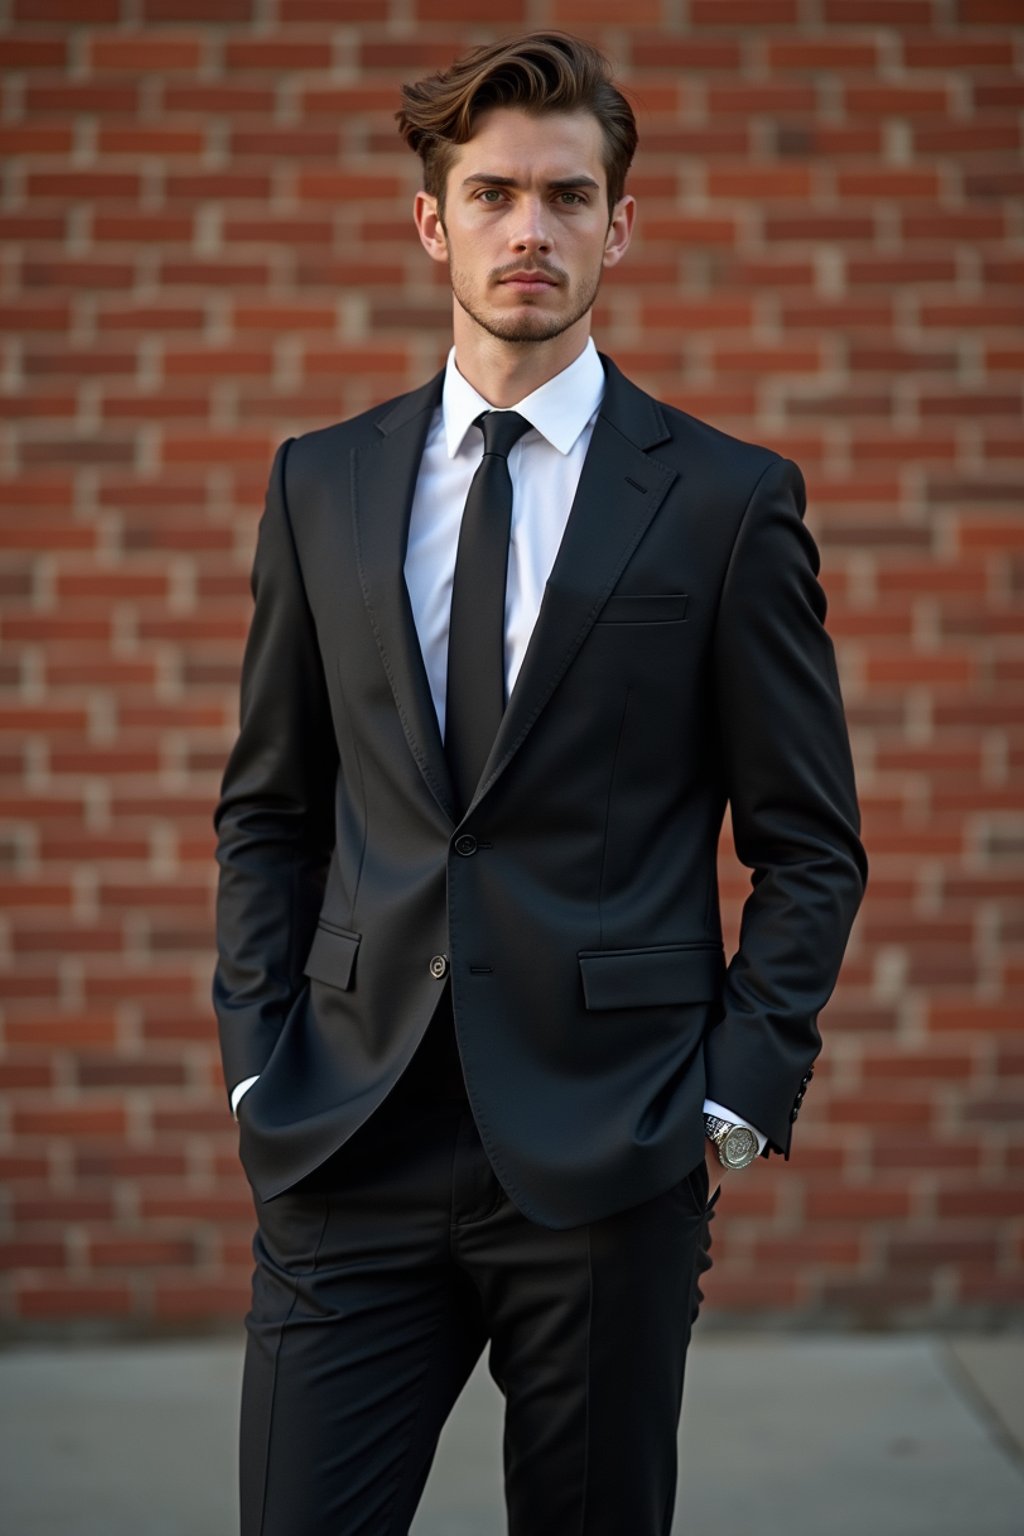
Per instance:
{"type": "Point", "coordinates": [679, 661]}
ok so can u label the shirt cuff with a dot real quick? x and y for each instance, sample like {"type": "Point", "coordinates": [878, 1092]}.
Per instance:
{"type": "Point", "coordinates": [239, 1090]}
{"type": "Point", "coordinates": [721, 1113]}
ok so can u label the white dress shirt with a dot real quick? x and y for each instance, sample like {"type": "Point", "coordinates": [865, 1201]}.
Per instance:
{"type": "Point", "coordinates": [545, 467]}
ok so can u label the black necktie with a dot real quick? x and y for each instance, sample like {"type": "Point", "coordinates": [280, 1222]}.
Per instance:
{"type": "Point", "coordinates": [476, 636]}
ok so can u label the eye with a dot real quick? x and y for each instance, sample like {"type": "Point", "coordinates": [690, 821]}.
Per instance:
{"type": "Point", "coordinates": [571, 199]}
{"type": "Point", "coordinates": [490, 195]}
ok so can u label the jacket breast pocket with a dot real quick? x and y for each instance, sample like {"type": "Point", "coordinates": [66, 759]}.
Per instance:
{"type": "Point", "coordinates": [645, 608]}
{"type": "Point", "coordinates": [656, 975]}
{"type": "Point", "coordinates": [332, 956]}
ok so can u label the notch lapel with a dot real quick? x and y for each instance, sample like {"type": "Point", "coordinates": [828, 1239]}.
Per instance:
{"type": "Point", "coordinates": [619, 492]}
{"type": "Point", "coordinates": [383, 484]}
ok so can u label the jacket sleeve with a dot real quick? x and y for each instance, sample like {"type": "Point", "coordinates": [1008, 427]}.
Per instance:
{"type": "Point", "coordinates": [275, 817]}
{"type": "Point", "coordinates": [789, 779]}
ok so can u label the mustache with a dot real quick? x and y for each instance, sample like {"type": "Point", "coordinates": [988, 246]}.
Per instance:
{"type": "Point", "coordinates": [542, 269]}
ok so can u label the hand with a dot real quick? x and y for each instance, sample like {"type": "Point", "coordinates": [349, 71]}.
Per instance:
{"type": "Point", "coordinates": [715, 1168]}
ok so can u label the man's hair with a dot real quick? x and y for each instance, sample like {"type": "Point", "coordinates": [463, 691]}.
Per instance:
{"type": "Point", "coordinates": [539, 73]}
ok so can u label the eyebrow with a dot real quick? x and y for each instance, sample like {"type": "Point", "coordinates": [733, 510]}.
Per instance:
{"type": "Point", "coordinates": [560, 183]}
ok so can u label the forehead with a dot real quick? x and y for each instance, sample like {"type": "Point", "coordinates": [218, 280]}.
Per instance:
{"type": "Point", "coordinates": [532, 146]}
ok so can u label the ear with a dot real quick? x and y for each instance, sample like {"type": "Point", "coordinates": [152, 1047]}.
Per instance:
{"type": "Point", "coordinates": [620, 231]}
{"type": "Point", "coordinates": [429, 227]}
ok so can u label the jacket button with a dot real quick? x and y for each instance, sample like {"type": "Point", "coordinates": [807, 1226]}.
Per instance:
{"type": "Point", "coordinates": [439, 967]}
{"type": "Point", "coordinates": [466, 845]}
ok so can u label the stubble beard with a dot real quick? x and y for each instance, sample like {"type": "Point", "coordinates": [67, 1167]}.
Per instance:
{"type": "Point", "coordinates": [533, 325]}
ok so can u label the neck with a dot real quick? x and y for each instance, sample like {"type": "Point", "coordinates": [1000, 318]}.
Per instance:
{"type": "Point", "coordinates": [505, 372]}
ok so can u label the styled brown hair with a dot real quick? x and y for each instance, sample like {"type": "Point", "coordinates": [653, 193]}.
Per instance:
{"type": "Point", "coordinates": [541, 72]}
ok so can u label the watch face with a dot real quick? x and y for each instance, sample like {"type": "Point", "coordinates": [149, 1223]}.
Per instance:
{"type": "Point", "coordinates": [739, 1148]}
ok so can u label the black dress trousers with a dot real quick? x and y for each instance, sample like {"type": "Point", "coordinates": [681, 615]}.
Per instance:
{"type": "Point", "coordinates": [381, 1278]}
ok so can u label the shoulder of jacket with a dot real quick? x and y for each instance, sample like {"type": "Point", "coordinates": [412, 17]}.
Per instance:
{"type": "Point", "coordinates": [695, 440]}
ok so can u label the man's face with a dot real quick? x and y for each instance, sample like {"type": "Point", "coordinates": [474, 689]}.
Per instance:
{"type": "Point", "coordinates": [526, 230]}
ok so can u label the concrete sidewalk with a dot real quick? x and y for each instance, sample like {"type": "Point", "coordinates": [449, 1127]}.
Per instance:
{"type": "Point", "coordinates": [790, 1435]}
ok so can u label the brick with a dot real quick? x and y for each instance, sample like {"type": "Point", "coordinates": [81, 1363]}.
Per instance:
{"type": "Point", "coordinates": [984, 1202]}
{"type": "Point", "coordinates": [893, 1153]}
{"type": "Point", "coordinates": [889, 1109]}
{"type": "Point", "coordinates": [981, 1285]}
{"type": "Point", "coordinates": [977, 138]}
{"type": "Point", "coordinates": [769, 96]}
{"type": "Point", "coordinates": [988, 11]}
{"type": "Point", "coordinates": [970, 1014]}
{"type": "Point", "coordinates": [926, 1253]}
{"type": "Point", "coordinates": [990, 534]}
{"type": "Point", "coordinates": [228, 362]}
{"type": "Point", "coordinates": [1007, 93]}
{"type": "Point", "coordinates": [952, 224]}
{"type": "Point", "coordinates": [909, 269]}
{"type": "Point", "coordinates": [36, 11]}
{"type": "Point", "coordinates": [35, 139]}
{"type": "Point", "coordinates": [714, 314]}
{"type": "Point", "coordinates": [746, 1293]}
{"type": "Point", "coordinates": [877, 100]}
{"type": "Point", "coordinates": [875, 1202]}
{"type": "Point", "coordinates": [144, 53]}
{"type": "Point", "coordinates": [187, 1299]}
{"type": "Point", "coordinates": [198, 10]}
{"type": "Point", "coordinates": [75, 1120]}
{"type": "Point", "coordinates": [917, 1066]}
{"type": "Point", "coordinates": [687, 231]}
{"type": "Point", "coordinates": [24, 52]}
{"type": "Point", "coordinates": [844, 54]}
{"type": "Point", "coordinates": [958, 51]}
{"type": "Point", "coordinates": [229, 96]}
{"type": "Point", "coordinates": [888, 181]}
{"type": "Point", "coordinates": [73, 1299]}
{"type": "Point", "coordinates": [20, 1073]}
{"type": "Point", "coordinates": [278, 51]}
{"type": "Point", "coordinates": [799, 1248]}
{"type": "Point", "coordinates": [43, 1209]}
{"type": "Point", "coordinates": [222, 1207]}
{"type": "Point", "coordinates": [816, 224]}
{"type": "Point", "coordinates": [760, 182]}
{"type": "Point", "coordinates": [130, 1163]}
{"type": "Point", "coordinates": [109, 97]}
{"type": "Point", "coordinates": [96, 1071]}
{"type": "Point", "coordinates": [684, 52]}
{"type": "Point", "coordinates": [245, 186]}
{"type": "Point", "coordinates": [994, 183]}
{"type": "Point", "coordinates": [888, 13]}
{"type": "Point", "coordinates": [140, 1252]}
{"type": "Point", "coordinates": [82, 184]}
{"type": "Point", "coordinates": [829, 141]}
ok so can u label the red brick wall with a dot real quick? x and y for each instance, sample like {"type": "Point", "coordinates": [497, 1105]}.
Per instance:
{"type": "Point", "coordinates": [207, 246]}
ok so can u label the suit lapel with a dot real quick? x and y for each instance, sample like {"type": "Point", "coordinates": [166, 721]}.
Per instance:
{"type": "Point", "coordinates": [383, 484]}
{"type": "Point", "coordinates": [620, 490]}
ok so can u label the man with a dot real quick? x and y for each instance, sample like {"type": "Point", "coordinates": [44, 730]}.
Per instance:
{"type": "Point", "coordinates": [518, 638]}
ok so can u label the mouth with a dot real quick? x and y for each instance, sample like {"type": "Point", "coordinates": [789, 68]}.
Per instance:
{"type": "Point", "coordinates": [528, 281]}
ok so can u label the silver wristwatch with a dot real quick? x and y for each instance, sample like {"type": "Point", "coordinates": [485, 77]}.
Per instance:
{"type": "Point", "coordinates": [735, 1144]}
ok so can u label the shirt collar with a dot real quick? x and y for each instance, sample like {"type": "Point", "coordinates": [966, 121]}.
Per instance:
{"type": "Point", "coordinates": [559, 409]}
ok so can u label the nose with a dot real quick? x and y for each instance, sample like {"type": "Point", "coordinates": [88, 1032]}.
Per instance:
{"type": "Point", "coordinates": [530, 232]}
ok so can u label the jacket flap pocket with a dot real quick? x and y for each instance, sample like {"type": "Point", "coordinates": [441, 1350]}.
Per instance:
{"type": "Point", "coordinates": [332, 956]}
{"type": "Point", "coordinates": [646, 608]}
{"type": "Point", "coordinates": [645, 978]}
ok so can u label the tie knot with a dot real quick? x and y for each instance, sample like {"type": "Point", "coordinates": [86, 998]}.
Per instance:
{"type": "Point", "coordinates": [502, 430]}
